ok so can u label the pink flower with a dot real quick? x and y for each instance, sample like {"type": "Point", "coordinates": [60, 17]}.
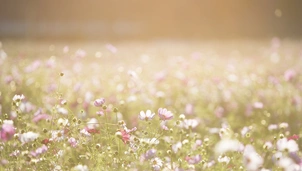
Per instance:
{"type": "Point", "coordinates": [293, 137]}
{"type": "Point", "coordinates": [80, 53]}
{"type": "Point", "coordinates": [111, 48]}
{"type": "Point", "coordinates": [258, 105]}
{"type": "Point", "coordinates": [7, 131]}
{"type": "Point", "coordinates": [39, 117]}
{"type": "Point", "coordinates": [194, 159]}
{"type": "Point", "coordinates": [100, 113]}
{"type": "Point", "coordinates": [99, 102]}
{"type": "Point", "coordinates": [73, 142]}
{"type": "Point", "coordinates": [125, 136]}
{"type": "Point", "coordinates": [165, 114]}
{"type": "Point", "coordinates": [189, 109]}
{"type": "Point", "coordinates": [289, 74]}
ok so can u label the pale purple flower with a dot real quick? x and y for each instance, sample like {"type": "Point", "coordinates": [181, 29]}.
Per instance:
{"type": "Point", "coordinates": [156, 163]}
{"type": "Point", "coordinates": [32, 67]}
{"type": "Point", "coordinates": [150, 154]}
{"type": "Point", "coordinates": [194, 159]}
{"type": "Point", "coordinates": [146, 116]}
{"type": "Point", "coordinates": [165, 114]}
{"type": "Point", "coordinates": [39, 150]}
{"type": "Point", "coordinates": [99, 102]}
{"type": "Point", "coordinates": [289, 74]}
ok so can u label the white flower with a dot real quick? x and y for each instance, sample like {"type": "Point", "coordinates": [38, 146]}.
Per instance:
{"type": "Point", "coordinates": [226, 145]}
{"type": "Point", "coordinates": [9, 122]}
{"type": "Point", "coordinates": [283, 125]}
{"type": "Point", "coordinates": [150, 141]}
{"type": "Point", "coordinates": [57, 135]}
{"type": "Point", "coordinates": [62, 111]}
{"type": "Point", "coordinates": [60, 153]}
{"type": "Point", "coordinates": [63, 122]}
{"type": "Point", "coordinates": [251, 158]}
{"type": "Point", "coordinates": [224, 159]}
{"type": "Point", "coordinates": [288, 164]}
{"type": "Point", "coordinates": [244, 131]}
{"type": "Point", "coordinates": [156, 163]}
{"type": "Point", "coordinates": [258, 105]}
{"type": "Point", "coordinates": [85, 132]}
{"type": "Point", "coordinates": [28, 137]}
{"type": "Point", "coordinates": [287, 145]}
{"type": "Point", "coordinates": [190, 123]}
{"type": "Point", "coordinates": [18, 98]}
{"type": "Point", "coordinates": [176, 147]}
{"type": "Point", "coordinates": [146, 116]}
{"type": "Point", "coordinates": [92, 123]}
{"type": "Point", "coordinates": [267, 145]}
{"type": "Point", "coordinates": [272, 127]}
{"type": "Point", "coordinates": [80, 168]}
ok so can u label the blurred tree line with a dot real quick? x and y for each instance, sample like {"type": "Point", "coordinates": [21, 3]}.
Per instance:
{"type": "Point", "coordinates": [140, 19]}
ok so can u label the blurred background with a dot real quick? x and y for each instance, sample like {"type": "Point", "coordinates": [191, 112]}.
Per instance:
{"type": "Point", "coordinates": [156, 19]}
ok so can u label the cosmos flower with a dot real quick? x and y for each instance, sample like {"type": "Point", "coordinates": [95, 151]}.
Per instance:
{"type": "Point", "coordinates": [156, 163]}
{"type": "Point", "coordinates": [226, 145]}
{"type": "Point", "coordinates": [289, 74]}
{"type": "Point", "coordinates": [150, 141]}
{"type": "Point", "coordinates": [176, 147]}
{"type": "Point", "coordinates": [63, 122]}
{"type": "Point", "coordinates": [125, 136]}
{"type": "Point", "coordinates": [18, 98]}
{"type": "Point", "coordinates": [150, 153]}
{"type": "Point", "coordinates": [165, 114]}
{"type": "Point", "coordinates": [7, 130]}
{"type": "Point", "coordinates": [92, 123]}
{"type": "Point", "coordinates": [28, 137]}
{"type": "Point", "coordinates": [224, 159]}
{"type": "Point", "coordinates": [146, 116]}
{"type": "Point", "coordinates": [287, 145]}
{"type": "Point", "coordinates": [190, 123]}
{"type": "Point", "coordinates": [73, 142]}
{"type": "Point", "coordinates": [99, 102]}
{"type": "Point", "coordinates": [252, 160]}
{"type": "Point", "coordinates": [80, 168]}
{"type": "Point", "coordinates": [39, 150]}
{"type": "Point", "coordinates": [39, 117]}
{"type": "Point", "coordinates": [194, 159]}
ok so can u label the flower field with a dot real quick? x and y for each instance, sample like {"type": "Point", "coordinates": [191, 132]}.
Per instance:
{"type": "Point", "coordinates": [157, 105]}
